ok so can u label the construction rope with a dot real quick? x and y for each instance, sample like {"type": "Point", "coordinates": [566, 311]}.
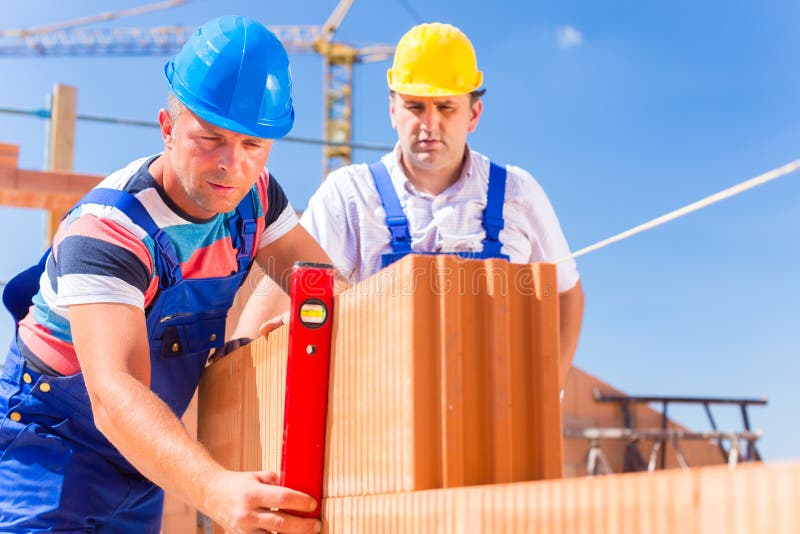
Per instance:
{"type": "Point", "coordinates": [694, 206]}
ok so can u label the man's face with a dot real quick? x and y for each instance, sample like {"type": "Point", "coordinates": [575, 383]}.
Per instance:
{"type": "Point", "coordinates": [432, 130]}
{"type": "Point", "coordinates": [212, 169]}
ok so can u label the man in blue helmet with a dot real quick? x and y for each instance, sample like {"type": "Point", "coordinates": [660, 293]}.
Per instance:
{"type": "Point", "coordinates": [434, 194]}
{"type": "Point", "coordinates": [115, 324]}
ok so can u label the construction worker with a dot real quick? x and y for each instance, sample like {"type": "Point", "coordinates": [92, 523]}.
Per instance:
{"type": "Point", "coordinates": [116, 322]}
{"type": "Point", "coordinates": [433, 193]}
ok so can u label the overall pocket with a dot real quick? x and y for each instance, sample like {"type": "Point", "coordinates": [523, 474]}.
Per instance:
{"type": "Point", "coordinates": [191, 334]}
{"type": "Point", "coordinates": [32, 469]}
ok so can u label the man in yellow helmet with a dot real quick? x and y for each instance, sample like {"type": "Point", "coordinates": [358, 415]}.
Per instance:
{"type": "Point", "coordinates": [432, 193]}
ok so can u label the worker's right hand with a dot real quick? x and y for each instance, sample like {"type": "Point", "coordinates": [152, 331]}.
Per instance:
{"type": "Point", "coordinates": [245, 502]}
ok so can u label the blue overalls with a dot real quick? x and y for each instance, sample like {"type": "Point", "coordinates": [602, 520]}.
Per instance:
{"type": "Point", "coordinates": [397, 223]}
{"type": "Point", "coordinates": [57, 471]}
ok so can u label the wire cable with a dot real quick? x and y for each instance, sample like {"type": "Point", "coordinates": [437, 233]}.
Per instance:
{"type": "Point", "coordinates": [410, 11]}
{"type": "Point", "coordinates": [761, 179]}
{"type": "Point", "coordinates": [45, 114]}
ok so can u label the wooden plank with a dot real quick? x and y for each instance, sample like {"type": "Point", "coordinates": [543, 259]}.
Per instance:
{"type": "Point", "coordinates": [62, 128]}
{"type": "Point", "coordinates": [55, 191]}
{"type": "Point", "coordinates": [40, 200]}
{"type": "Point", "coordinates": [61, 146]}
{"type": "Point", "coordinates": [9, 154]}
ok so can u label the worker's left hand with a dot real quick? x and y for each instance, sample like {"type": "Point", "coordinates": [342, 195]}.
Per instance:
{"type": "Point", "coordinates": [229, 347]}
{"type": "Point", "coordinates": [274, 323]}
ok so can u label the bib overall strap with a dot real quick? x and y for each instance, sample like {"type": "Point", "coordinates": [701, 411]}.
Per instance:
{"type": "Point", "coordinates": [167, 265]}
{"type": "Point", "coordinates": [242, 226]}
{"type": "Point", "coordinates": [493, 214]}
{"type": "Point", "coordinates": [396, 220]}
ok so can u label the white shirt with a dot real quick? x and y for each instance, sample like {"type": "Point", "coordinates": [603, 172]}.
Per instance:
{"type": "Point", "coordinates": [347, 218]}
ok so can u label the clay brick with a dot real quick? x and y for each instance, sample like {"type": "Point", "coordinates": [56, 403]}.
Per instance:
{"type": "Point", "coordinates": [443, 374]}
{"type": "Point", "coordinates": [751, 498]}
{"type": "Point", "coordinates": [240, 407]}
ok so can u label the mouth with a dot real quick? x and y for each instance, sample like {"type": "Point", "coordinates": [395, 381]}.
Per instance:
{"type": "Point", "coordinates": [221, 188]}
{"type": "Point", "coordinates": [428, 144]}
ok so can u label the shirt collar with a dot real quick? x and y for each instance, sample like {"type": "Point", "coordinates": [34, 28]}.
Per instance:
{"type": "Point", "coordinates": [392, 162]}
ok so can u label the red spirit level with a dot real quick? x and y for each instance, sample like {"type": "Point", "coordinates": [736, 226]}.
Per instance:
{"type": "Point", "coordinates": [306, 404]}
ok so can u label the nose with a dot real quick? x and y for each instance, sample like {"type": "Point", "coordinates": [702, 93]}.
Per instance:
{"type": "Point", "coordinates": [228, 154]}
{"type": "Point", "coordinates": [430, 118]}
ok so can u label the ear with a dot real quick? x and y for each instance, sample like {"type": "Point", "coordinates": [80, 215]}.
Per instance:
{"type": "Point", "coordinates": [391, 111]}
{"type": "Point", "coordinates": [475, 114]}
{"type": "Point", "coordinates": [165, 123]}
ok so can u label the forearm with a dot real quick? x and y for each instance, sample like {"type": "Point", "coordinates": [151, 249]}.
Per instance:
{"type": "Point", "coordinates": [154, 440]}
{"type": "Point", "coordinates": [278, 258]}
{"type": "Point", "coordinates": [258, 300]}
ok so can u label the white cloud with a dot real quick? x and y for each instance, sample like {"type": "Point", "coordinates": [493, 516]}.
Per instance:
{"type": "Point", "coordinates": [568, 36]}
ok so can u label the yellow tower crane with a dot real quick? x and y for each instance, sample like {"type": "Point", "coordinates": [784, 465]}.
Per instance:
{"type": "Point", "coordinates": [71, 38]}
{"type": "Point", "coordinates": [338, 87]}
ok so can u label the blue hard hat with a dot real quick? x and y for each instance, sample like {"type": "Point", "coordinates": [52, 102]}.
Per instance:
{"type": "Point", "coordinates": [234, 73]}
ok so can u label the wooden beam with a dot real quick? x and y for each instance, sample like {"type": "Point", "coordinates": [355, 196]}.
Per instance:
{"type": "Point", "coordinates": [8, 156]}
{"type": "Point", "coordinates": [62, 128]}
{"type": "Point", "coordinates": [49, 190]}
{"type": "Point", "coordinates": [55, 191]}
{"type": "Point", "coordinates": [53, 202]}
{"type": "Point", "coordinates": [62, 141]}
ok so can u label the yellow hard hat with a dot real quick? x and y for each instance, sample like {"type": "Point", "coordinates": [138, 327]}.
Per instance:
{"type": "Point", "coordinates": [434, 60]}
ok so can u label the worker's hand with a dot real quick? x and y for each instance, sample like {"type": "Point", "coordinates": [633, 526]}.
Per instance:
{"type": "Point", "coordinates": [246, 502]}
{"type": "Point", "coordinates": [274, 323]}
{"type": "Point", "coordinates": [229, 347]}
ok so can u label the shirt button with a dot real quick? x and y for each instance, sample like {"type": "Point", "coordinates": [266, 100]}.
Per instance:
{"type": "Point", "coordinates": [26, 378]}
{"type": "Point", "coordinates": [175, 347]}
{"type": "Point", "coordinates": [14, 416]}
{"type": "Point", "coordinates": [45, 387]}
{"type": "Point", "coordinates": [213, 337]}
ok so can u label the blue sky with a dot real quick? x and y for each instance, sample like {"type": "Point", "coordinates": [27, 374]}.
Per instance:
{"type": "Point", "coordinates": [622, 110]}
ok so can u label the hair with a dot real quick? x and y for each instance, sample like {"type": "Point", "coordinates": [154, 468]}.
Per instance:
{"type": "Point", "coordinates": [474, 96]}
{"type": "Point", "coordinates": [174, 108]}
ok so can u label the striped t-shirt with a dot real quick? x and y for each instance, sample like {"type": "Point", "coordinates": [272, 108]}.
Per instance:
{"type": "Point", "coordinates": [100, 255]}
